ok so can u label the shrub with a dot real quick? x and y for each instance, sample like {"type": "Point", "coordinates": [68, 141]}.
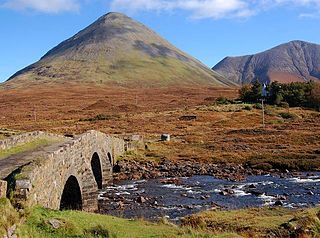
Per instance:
{"type": "Point", "coordinates": [288, 115]}
{"type": "Point", "coordinates": [100, 117]}
{"type": "Point", "coordinates": [245, 93]}
{"type": "Point", "coordinates": [269, 110]}
{"type": "Point", "coordinates": [257, 106]}
{"type": "Point", "coordinates": [262, 166]}
{"type": "Point", "coordinates": [222, 101]}
{"type": "Point", "coordinates": [315, 96]}
{"type": "Point", "coordinates": [284, 105]}
{"type": "Point", "coordinates": [247, 107]}
{"type": "Point", "coordinates": [97, 231]}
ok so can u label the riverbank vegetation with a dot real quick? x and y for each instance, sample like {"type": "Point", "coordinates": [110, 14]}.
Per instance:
{"type": "Point", "coordinates": [260, 222]}
{"type": "Point", "coordinates": [39, 223]}
{"type": "Point", "coordinates": [255, 222]}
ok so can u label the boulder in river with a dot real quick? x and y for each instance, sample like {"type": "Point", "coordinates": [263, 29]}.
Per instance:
{"type": "Point", "coordinates": [120, 205]}
{"type": "Point", "coordinates": [226, 192]}
{"type": "Point", "coordinates": [278, 203]}
{"type": "Point", "coordinates": [282, 197]}
{"type": "Point", "coordinates": [255, 192]}
{"type": "Point", "coordinates": [141, 199]}
{"type": "Point", "coordinates": [310, 193]}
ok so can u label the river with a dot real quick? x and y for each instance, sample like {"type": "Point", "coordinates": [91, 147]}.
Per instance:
{"type": "Point", "coordinates": [179, 197]}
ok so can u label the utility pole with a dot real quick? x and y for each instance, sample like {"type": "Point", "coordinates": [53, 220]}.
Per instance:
{"type": "Point", "coordinates": [263, 114]}
{"type": "Point", "coordinates": [264, 94]}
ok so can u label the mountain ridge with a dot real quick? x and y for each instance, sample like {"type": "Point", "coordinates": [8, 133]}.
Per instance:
{"type": "Point", "coordinates": [289, 62]}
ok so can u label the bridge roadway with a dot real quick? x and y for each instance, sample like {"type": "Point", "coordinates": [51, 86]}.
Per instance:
{"type": "Point", "coordinates": [14, 162]}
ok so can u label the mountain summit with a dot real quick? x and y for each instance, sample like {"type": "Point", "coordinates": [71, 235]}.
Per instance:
{"type": "Point", "coordinates": [290, 62]}
{"type": "Point", "coordinates": [119, 51]}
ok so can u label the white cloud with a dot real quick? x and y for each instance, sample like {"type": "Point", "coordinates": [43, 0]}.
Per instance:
{"type": "Point", "coordinates": [198, 8]}
{"type": "Point", "coordinates": [212, 8]}
{"type": "Point", "coordinates": [47, 6]}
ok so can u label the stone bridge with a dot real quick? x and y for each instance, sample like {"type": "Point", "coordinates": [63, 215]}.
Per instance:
{"type": "Point", "coordinates": [66, 175]}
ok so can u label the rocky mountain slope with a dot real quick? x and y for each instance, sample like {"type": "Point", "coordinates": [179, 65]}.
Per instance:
{"type": "Point", "coordinates": [119, 51]}
{"type": "Point", "coordinates": [290, 62]}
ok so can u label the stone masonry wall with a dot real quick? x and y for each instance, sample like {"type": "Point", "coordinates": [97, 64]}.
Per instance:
{"type": "Point", "coordinates": [43, 181]}
{"type": "Point", "coordinates": [3, 189]}
{"type": "Point", "coordinates": [24, 138]}
{"type": "Point", "coordinates": [118, 148]}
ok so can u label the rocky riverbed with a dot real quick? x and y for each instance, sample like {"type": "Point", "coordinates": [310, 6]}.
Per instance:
{"type": "Point", "coordinates": [172, 190]}
{"type": "Point", "coordinates": [178, 197]}
{"type": "Point", "coordinates": [137, 170]}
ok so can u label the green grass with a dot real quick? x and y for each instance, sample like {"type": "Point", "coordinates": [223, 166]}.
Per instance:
{"type": "Point", "coordinates": [24, 147]}
{"type": "Point", "coordinates": [258, 222]}
{"type": "Point", "coordinates": [81, 224]}
{"type": "Point", "coordinates": [8, 216]}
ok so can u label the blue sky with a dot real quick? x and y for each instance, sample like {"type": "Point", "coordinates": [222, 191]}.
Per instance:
{"type": "Point", "coordinates": [207, 29]}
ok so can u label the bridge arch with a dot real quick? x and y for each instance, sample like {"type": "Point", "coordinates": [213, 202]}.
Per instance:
{"type": "Point", "coordinates": [71, 196]}
{"type": "Point", "coordinates": [97, 169]}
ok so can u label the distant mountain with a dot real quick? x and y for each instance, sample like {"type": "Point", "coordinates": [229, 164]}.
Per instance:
{"type": "Point", "coordinates": [290, 62]}
{"type": "Point", "coordinates": [119, 51]}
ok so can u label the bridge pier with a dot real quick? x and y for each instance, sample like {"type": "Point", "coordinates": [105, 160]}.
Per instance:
{"type": "Point", "coordinates": [90, 201]}
{"type": "Point", "coordinates": [89, 195]}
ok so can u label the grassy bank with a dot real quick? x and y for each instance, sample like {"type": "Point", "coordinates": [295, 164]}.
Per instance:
{"type": "Point", "coordinates": [38, 223]}
{"type": "Point", "coordinates": [259, 222]}
{"type": "Point", "coordinates": [256, 222]}
{"type": "Point", "coordinates": [80, 224]}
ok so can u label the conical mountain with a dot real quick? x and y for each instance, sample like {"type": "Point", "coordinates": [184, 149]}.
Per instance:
{"type": "Point", "coordinates": [119, 51]}
{"type": "Point", "coordinates": [289, 62]}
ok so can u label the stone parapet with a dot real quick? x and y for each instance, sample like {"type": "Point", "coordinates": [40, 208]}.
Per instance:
{"type": "Point", "coordinates": [25, 138]}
